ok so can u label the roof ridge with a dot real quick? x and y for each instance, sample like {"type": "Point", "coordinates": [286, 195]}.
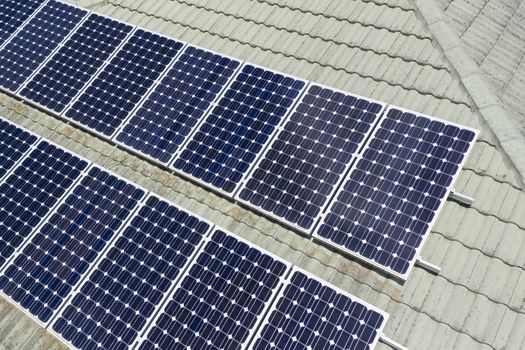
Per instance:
{"type": "Point", "coordinates": [488, 104]}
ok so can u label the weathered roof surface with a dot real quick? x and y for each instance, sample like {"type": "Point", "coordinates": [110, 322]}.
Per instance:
{"type": "Point", "coordinates": [494, 34]}
{"type": "Point", "coordinates": [377, 48]}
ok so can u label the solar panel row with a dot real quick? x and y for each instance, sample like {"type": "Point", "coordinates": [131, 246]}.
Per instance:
{"type": "Point", "coordinates": [251, 134]}
{"type": "Point", "coordinates": [111, 267]}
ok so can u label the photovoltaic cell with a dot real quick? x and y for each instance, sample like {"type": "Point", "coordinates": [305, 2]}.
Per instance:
{"type": "Point", "coordinates": [310, 314]}
{"type": "Point", "coordinates": [31, 190]}
{"type": "Point", "coordinates": [301, 169]}
{"type": "Point", "coordinates": [13, 13]}
{"type": "Point", "coordinates": [393, 194]}
{"type": "Point", "coordinates": [45, 272]}
{"type": "Point", "coordinates": [165, 119]}
{"type": "Point", "coordinates": [72, 66]}
{"type": "Point", "coordinates": [122, 84]}
{"type": "Point", "coordinates": [239, 126]}
{"type": "Point", "coordinates": [28, 49]}
{"type": "Point", "coordinates": [14, 143]}
{"type": "Point", "coordinates": [119, 297]}
{"type": "Point", "coordinates": [220, 300]}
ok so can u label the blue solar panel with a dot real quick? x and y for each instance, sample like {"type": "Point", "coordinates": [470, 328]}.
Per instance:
{"type": "Point", "coordinates": [72, 66]}
{"type": "Point", "coordinates": [14, 143]}
{"type": "Point", "coordinates": [28, 49]}
{"type": "Point", "coordinates": [31, 190]}
{"type": "Point", "coordinates": [236, 130]}
{"type": "Point", "coordinates": [394, 192]}
{"type": "Point", "coordinates": [45, 272]}
{"type": "Point", "coordinates": [301, 169]}
{"type": "Point", "coordinates": [116, 301]}
{"type": "Point", "coordinates": [13, 13]}
{"type": "Point", "coordinates": [178, 103]}
{"type": "Point", "coordinates": [310, 314]}
{"type": "Point", "coordinates": [122, 84]}
{"type": "Point", "coordinates": [220, 300]}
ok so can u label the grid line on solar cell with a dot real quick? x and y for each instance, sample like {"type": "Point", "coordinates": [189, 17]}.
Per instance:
{"type": "Point", "coordinates": [13, 14]}
{"type": "Point", "coordinates": [220, 299]}
{"type": "Point", "coordinates": [76, 62]}
{"type": "Point", "coordinates": [46, 270]}
{"type": "Point", "coordinates": [30, 192]}
{"type": "Point", "coordinates": [15, 142]}
{"type": "Point", "coordinates": [387, 204]}
{"type": "Point", "coordinates": [298, 173]}
{"type": "Point", "coordinates": [122, 84]}
{"type": "Point", "coordinates": [238, 127]}
{"type": "Point", "coordinates": [175, 106]}
{"type": "Point", "coordinates": [311, 314]}
{"type": "Point", "coordinates": [36, 41]}
{"type": "Point", "coordinates": [118, 299]}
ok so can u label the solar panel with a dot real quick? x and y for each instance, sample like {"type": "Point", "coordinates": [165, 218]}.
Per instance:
{"type": "Point", "coordinates": [220, 153]}
{"type": "Point", "coordinates": [15, 142]}
{"type": "Point", "coordinates": [30, 192]}
{"type": "Point", "coordinates": [13, 13]}
{"type": "Point", "coordinates": [164, 121]}
{"type": "Point", "coordinates": [221, 298]}
{"type": "Point", "coordinates": [114, 304]}
{"type": "Point", "coordinates": [300, 170]}
{"type": "Point", "coordinates": [122, 84]}
{"type": "Point", "coordinates": [74, 64]}
{"type": "Point", "coordinates": [28, 49]}
{"type": "Point", "coordinates": [48, 268]}
{"type": "Point", "coordinates": [311, 314]}
{"type": "Point", "coordinates": [393, 193]}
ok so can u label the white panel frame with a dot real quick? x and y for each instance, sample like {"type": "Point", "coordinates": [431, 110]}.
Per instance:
{"type": "Point", "coordinates": [424, 237]}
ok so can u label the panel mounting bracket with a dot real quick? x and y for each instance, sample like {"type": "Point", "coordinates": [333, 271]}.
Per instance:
{"type": "Point", "coordinates": [384, 339]}
{"type": "Point", "coordinates": [428, 266]}
{"type": "Point", "coordinates": [460, 198]}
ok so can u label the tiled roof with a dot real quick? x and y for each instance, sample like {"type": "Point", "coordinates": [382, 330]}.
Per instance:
{"type": "Point", "coordinates": [376, 48]}
{"type": "Point", "coordinates": [494, 34]}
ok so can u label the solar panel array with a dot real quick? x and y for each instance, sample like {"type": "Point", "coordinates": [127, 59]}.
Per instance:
{"type": "Point", "coordinates": [393, 193]}
{"type": "Point", "coordinates": [27, 50]}
{"type": "Point", "coordinates": [220, 300]}
{"type": "Point", "coordinates": [248, 132]}
{"type": "Point", "coordinates": [14, 143]}
{"type": "Point", "coordinates": [13, 14]}
{"type": "Point", "coordinates": [114, 304]}
{"type": "Point", "coordinates": [121, 85]}
{"type": "Point", "coordinates": [302, 167]}
{"type": "Point", "coordinates": [238, 127]}
{"type": "Point", "coordinates": [311, 314]}
{"type": "Point", "coordinates": [29, 193]}
{"type": "Point", "coordinates": [108, 266]}
{"type": "Point", "coordinates": [164, 121]}
{"type": "Point", "coordinates": [75, 63]}
{"type": "Point", "coordinates": [56, 257]}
